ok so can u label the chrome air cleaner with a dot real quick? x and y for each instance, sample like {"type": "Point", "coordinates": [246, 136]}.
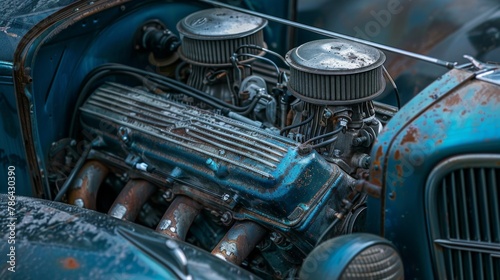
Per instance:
{"type": "Point", "coordinates": [335, 72]}
{"type": "Point", "coordinates": [209, 37]}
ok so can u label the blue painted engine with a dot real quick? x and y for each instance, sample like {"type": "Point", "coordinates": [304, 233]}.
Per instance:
{"type": "Point", "coordinates": [254, 156]}
{"type": "Point", "coordinates": [268, 160]}
{"type": "Point", "coordinates": [196, 129]}
{"type": "Point", "coordinates": [257, 175]}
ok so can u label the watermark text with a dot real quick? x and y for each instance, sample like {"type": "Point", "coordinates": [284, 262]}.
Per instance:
{"type": "Point", "coordinates": [11, 225]}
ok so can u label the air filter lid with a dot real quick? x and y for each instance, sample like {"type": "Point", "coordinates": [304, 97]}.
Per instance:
{"type": "Point", "coordinates": [219, 23]}
{"type": "Point", "coordinates": [335, 57]}
{"type": "Point", "coordinates": [335, 72]}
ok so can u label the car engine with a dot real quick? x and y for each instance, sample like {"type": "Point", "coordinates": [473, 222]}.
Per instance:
{"type": "Point", "coordinates": [251, 155]}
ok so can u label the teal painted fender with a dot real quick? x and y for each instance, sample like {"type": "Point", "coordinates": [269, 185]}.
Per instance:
{"type": "Point", "coordinates": [457, 114]}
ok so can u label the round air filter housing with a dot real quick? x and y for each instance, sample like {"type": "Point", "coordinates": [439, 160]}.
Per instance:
{"type": "Point", "coordinates": [335, 72]}
{"type": "Point", "coordinates": [209, 37]}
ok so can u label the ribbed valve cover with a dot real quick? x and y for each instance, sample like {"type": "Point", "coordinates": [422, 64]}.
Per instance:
{"type": "Point", "coordinates": [335, 72]}
{"type": "Point", "coordinates": [209, 37]}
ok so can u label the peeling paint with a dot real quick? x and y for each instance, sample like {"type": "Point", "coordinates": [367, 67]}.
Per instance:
{"type": "Point", "coordinates": [411, 135]}
{"type": "Point", "coordinates": [70, 263]}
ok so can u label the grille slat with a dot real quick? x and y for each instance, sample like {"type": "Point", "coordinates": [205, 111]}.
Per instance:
{"type": "Point", "coordinates": [485, 215]}
{"type": "Point", "coordinates": [478, 264]}
{"type": "Point", "coordinates": [487, 267]}
{"type": "Point", "coordinates": [449, 259]}
{"type": "Point", "coordinates": [463, 199]}
{"type": "Point", "coordinates": [468, 267]}
{"type": "Point", "coordinates": [463, 207]}
{"type": "Point", "coordinates": [494, 198]}
{"type": "Point", "coordinates": [454, 213]}
{"type": "Point", "coordinates": [475, 205]}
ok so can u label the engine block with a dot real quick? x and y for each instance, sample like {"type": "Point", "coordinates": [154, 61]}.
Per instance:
{"type": "Point", "coordinates": [220, 162]}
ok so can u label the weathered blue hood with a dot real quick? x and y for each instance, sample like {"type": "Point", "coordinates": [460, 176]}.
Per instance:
{"type": "Point", "coordinates": [60, 241]}
{"type": "Point", "coordinates": [17, 17]}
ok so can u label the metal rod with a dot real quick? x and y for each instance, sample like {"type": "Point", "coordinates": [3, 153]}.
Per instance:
{"type": "Point", "coordinates": [72, 174]}
{"type": "Point", "coordinates": [327, 33]}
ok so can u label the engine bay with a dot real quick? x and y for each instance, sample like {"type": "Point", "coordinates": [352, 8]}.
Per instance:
{"type": "Point", "coordinates": [173, 139]}
{"type": "Point", "coordinates": [254, 156]}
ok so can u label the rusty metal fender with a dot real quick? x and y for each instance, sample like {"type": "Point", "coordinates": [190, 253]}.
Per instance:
{"type": "Point", "coordinates": [457, 114]}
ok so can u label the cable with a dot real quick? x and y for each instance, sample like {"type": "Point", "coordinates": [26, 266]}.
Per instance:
{"type": "Point", "coordinates": [113, 69]}
{"type": "Point", "coordinates": [396, 91]}
{"type": "Point", "coordinates": [178, 70]}
{"type": "Point", "coordinates": [263, 49]}
{"type": "Point", "coordinates": [288, 128]}
{"type": "Point", "coordinates": [332, 133]}
{"type": "Point", "coordinates": [327, 231]}
{"type": "Point", "coordinates": [346, 208]}
{"type": "Point", "coordinates": [72, 175]}
{"type": "Point", "coordinates": [331, 34]}
{"type": "Point", "coordinates": [91, 79]}
{"type": "Point", "coordinates": [322, 144]}
{"type": "Point", "coordinates": [179, 86]}
{"type": "Point", "coordinates": [261, 58]}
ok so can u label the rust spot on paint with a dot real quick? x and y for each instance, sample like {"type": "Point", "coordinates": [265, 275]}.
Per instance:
{"type": "Point", "coordinates": [453, 100]}
{"type": "Point", "coordinates": [378, 156]}
{"type": "Point", "coordinates": [399, 169]}
{"type": "Point", "coordinates": [439, 121]}
{"type": "Point", "coordinates": [377, 172]}
{"type": "Point", "coordinates": [439, 141]}
{"type": "Point", "coordinates": [379, 152]}
{"type": "Point", "coordinates": [70, 263]}
{"type": "Point", "coordinates": [446, 110]}
{"type": "Point", "coordinates": [411, 135]}
{"type": "Point", "coordinates": [397, 155]}
{"type": "Point", "coordinates": [463, 112]}
{"type": "Point", "coordinates": [376, 181]}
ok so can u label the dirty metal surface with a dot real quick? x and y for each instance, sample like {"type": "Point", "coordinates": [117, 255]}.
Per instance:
{"type": "Point", "coordinates": [83, 190]}
{"type": "Point", "coordinates": [130, 200]}
{"type": "Point", "coordinates": [239, 241]}
{"type": "Point", "coordinates": [449, 117]}
{"type": "Point", "coordinates": [225, 160]}
{"type": "Point", "coordinates": [55, 240]}
{"type": "Point", "coordinates": [179, 217]}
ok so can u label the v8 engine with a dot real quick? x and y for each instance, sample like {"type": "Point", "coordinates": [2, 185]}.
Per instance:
{"type": "Point", "coordinates": [174, 140]}
{"type": "Point", "coordinates": [254, 156]}
{"type": "Point", "coordinates": [220, 162]}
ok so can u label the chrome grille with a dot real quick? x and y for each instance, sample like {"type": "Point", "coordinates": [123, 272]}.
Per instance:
{"type": "Point", "coordinates": [464, 212]}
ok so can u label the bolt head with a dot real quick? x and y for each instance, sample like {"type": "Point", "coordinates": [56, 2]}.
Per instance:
{"type": "Point", "coordinates": [168, 195]}
{"type": "Point", "coordinates": [79, 202]}
{"type": "Point", "coordinates": [226, 218]}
